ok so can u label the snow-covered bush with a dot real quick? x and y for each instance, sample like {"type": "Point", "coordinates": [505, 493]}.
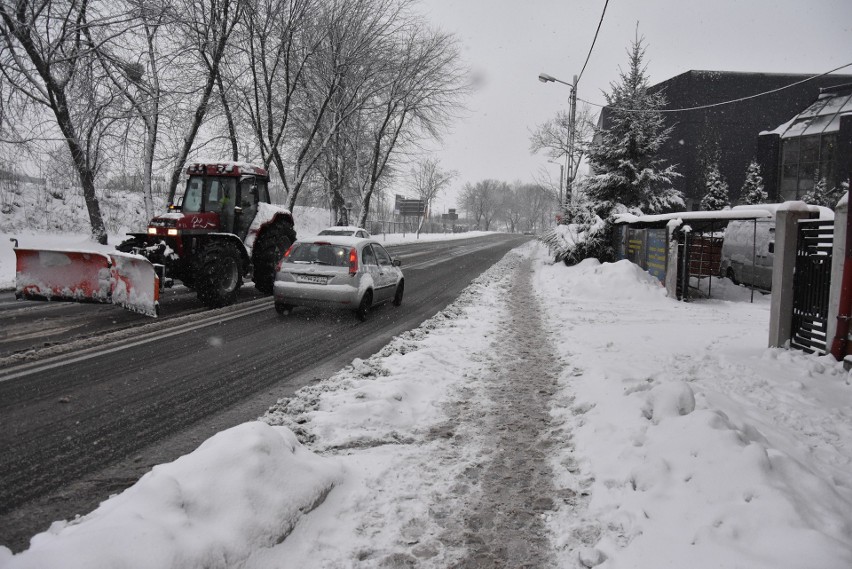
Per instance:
{"type": "Point", "coordinates": [821, 195]}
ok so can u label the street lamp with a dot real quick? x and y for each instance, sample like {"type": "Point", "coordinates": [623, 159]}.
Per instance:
{"type": "Point", "coordinates": [569, 182]}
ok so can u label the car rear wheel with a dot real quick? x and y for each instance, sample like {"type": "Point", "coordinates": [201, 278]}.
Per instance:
{"type": "Point", "coordinates": [364, 306]}
{"type": "Point", "coordinates": [283, 309]}
{"type": "Point", "coordinates": [731, 276]}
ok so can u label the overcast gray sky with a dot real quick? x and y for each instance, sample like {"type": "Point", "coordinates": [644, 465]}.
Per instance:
{"type": "Point", "coordinates": [507, 43]}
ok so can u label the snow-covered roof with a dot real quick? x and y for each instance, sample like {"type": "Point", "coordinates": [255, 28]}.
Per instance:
{"type": "Point", "coordinates": [757, 211]}
{"type": "Point", "coordinates": [227, 165]}
{"type": "Point", "coordinates": [724, 215]}
{"type": "Point", "coordinates": [822, 116]}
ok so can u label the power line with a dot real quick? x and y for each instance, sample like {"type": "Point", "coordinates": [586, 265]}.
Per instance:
{"type": "Point", "coordinates": [595, 39]}
{"type": "Point", "coordinates": [700, 107]}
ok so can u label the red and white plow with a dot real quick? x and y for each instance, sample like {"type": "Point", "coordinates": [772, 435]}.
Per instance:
{"type": "Point", "coordinates": [129, 281]}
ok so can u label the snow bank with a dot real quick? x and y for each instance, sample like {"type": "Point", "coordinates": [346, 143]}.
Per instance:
{"type": "Point", "coordinates": [242, 490]}
{"type": "Point", "coordinates": [590, 280]}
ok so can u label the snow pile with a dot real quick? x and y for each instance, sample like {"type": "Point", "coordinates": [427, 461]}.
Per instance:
{"type": "Point", "coordinates": [695, 446]}
{"type": "Point", "coordinates": [590, 281]}
{"type": "Point", "coordinates": [242, 490]}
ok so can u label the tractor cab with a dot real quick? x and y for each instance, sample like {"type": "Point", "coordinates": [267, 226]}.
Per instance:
{"type": "Point", "coordinates": [223, 201]}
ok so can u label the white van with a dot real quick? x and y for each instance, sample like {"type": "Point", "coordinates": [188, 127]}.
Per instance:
{"type": "Point", "coordinates": [748, 252]}
{"type": "Point", "coordinates": [748, 249]}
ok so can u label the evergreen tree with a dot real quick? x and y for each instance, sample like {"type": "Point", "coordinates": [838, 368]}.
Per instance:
{"type": "Point", "coordinates": [583, 236]}
{"type": "Point", "coordinates": [716, 197]}
{"type": "Point", "coordinates": [752, 191]}
{"type": "Point", "coordinates": [626, 174]}
{"type": "Point", "coordinates": [625, 170]}
{"type": "Point", "coordinates": [708, 154]}
{"type": "Point", "coordinates": [821, 195]}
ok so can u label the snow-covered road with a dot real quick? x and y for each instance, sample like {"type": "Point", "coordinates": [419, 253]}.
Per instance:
{"type": "Point", "coordinates": [551, 417]}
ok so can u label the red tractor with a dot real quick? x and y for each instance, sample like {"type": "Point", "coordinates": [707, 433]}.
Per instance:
{"type": "Point", "coordinates": [222, 229]}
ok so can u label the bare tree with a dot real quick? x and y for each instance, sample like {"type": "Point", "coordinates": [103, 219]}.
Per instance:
{"type": "Point", "coordinates": [481, 201]}
{"type": "Point", "coordinates": [429, 180]}
{"type": "Point", "coordinates": [277, 41]}
{"type": "Point", "coordinates": [512, 208]}
{"type": "Point", "coordinates": [311, 64]}
{"type": "Point", "coordinates": [47, 60]}
{"type": "Point", "coordinates": [424, 84]}
{"type": "Point", "coordinates": [552, 137]}
{"type": "Point", "coordinates": [207, 26]}
{"type": "Point", "coordinates": [344, 76]}
{"type": "Point", "coordinates": [133, 64]}
{"type": "Point", "coordinates": [540, 203]}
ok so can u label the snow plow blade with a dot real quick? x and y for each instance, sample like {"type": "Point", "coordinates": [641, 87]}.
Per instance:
{"type": "Point", "coordinates": [86, 276]}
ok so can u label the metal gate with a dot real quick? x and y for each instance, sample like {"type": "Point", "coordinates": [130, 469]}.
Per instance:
{"type": "Point", "coordinates": [811, 284]}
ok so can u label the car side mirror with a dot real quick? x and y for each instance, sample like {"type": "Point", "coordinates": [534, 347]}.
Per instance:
{"type": "Point", "coordinates": [397, 263]}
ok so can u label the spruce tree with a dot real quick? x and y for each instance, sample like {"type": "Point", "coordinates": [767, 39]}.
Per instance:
{"type": "Point", "coordinates": [752, 191]}
{"type": "Point", "coordinates": [625, 170]}
{"type": "Point", "coordinates": [821, 195]}
{"type": "Point", "coordinates": [625, 173]}
{"type": "Point", "coordinates": [716, 197]}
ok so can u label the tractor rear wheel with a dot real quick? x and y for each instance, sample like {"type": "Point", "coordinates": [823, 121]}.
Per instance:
{"type": "Point", "coordinates": [218, 276]}
{"type": "Point", "coordinates": [270, 247]}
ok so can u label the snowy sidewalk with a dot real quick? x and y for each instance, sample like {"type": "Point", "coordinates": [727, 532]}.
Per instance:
{"type": "Point", "coordinates": [504, 517]}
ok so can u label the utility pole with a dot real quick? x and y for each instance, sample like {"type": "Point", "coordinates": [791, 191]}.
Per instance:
{"type": "Point", "coordinates": [572, 119]}
{"type": "Point", "coordinates": [569, 184]}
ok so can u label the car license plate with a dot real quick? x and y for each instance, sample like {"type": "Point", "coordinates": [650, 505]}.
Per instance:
{"type": "Point", "coordinates": [313, 279]}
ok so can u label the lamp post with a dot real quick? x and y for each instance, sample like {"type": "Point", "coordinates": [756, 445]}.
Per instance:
{"type": "Point", "coordinates": [569, 182]}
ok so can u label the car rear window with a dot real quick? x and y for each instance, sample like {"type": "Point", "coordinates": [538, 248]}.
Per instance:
{"type": "Point", "coordinates": [319, 253]}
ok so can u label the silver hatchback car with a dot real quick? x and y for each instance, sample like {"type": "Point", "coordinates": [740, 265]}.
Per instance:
{"type": "Point", "coordinates": [347, 272]}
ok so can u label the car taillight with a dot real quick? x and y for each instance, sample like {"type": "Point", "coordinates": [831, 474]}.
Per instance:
{"type": "Point", "coordinates": [281, 261]}
{"type": "Point", "coordinates": [353, 262]}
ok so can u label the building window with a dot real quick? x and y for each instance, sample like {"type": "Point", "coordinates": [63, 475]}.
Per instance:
{"type": "Point", "coordinates": [803, 159]}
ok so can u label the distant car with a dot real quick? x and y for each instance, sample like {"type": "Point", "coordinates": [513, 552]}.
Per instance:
{"type": "Point", "coordinates": [345, 272]}
{"type": "Point", "coordinates": [346, 230]}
